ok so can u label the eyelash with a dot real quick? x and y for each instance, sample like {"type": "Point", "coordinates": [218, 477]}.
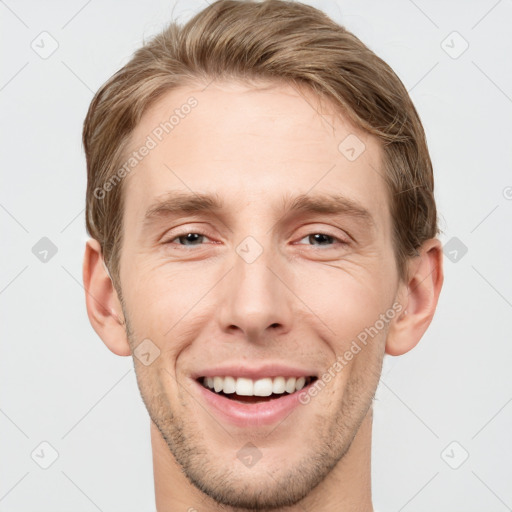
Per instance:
{"type": "Point", "coordinates": [185, 233]}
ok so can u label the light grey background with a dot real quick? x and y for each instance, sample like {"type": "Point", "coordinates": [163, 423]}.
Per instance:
{"type": "Point", "coordinates": [448, 398]}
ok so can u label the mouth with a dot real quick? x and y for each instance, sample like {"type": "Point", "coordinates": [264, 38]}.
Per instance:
{"type": "Point", "coordinates": [252, 391]}
{"type": "Point", "coordinates": [255, 396]}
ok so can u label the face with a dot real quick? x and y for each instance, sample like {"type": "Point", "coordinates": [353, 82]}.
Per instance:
{"type": "Point", "coordinates": [237, 269]}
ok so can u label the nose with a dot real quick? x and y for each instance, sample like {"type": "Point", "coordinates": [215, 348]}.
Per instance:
{"type": "Point", "coordinates": [255, 301]}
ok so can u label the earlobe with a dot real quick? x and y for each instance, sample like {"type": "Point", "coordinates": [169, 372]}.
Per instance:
{"type": "Point", "coordinates": [103, 305]}
{"type": "Point", "coordinates": [419, 297]}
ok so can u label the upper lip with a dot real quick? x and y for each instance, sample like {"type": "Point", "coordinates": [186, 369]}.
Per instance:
{"type": "Point", "coordinates": [256, 372]}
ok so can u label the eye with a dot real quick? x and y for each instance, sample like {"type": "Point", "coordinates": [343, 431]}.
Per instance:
{"type": "Point", "coordinates": [323, 239]}
{"type": "Point", "coordinates": [191, 237]}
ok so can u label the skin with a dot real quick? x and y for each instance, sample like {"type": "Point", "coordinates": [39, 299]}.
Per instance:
{"type": "Point", "coordinates": [301, 302]}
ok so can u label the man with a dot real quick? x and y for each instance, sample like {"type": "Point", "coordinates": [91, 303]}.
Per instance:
{"type": "Point", "coordinates": [260, 201]}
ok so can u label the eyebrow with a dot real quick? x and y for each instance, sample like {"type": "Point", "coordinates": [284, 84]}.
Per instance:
{"type": "Point", "coordinates": [319, 203]}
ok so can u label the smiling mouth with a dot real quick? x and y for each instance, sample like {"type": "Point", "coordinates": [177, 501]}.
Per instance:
{"type": "Point", "coordinates": [255, 391]}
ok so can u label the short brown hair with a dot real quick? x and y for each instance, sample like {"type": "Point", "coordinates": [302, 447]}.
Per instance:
{"type": "Point", "coordinates": [270, 40]}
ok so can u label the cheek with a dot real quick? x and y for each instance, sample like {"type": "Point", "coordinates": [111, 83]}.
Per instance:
{"type": "Point", "coordinates": [162, 301]}
{"type": "Point", "coordinates": [346, 301]}
{"type": "Point", "coordinates": [170, 303]}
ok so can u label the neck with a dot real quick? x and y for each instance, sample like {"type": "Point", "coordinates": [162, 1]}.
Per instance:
{"type": "Point", "coordinates": [347, 486]}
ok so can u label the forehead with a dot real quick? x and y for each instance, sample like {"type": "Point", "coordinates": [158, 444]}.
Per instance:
{"type": "Point", "coordinates": [249, 144]}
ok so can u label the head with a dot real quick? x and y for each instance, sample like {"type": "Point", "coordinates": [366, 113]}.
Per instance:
{"type": "Point", "coordinates": [261, 193]}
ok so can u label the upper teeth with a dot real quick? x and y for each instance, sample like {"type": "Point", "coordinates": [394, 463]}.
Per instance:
{"type": "Point", "coordinates": [260, 387]}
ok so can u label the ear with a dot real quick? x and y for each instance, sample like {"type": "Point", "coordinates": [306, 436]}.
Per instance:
{"type": "Point", "coordinates": [103, 305]}
{"type": "Point", "coordinates": [418, 296]}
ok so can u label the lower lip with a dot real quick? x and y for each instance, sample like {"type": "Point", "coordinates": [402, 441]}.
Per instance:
{"type": "Point", "coordinates": [247, 414]}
